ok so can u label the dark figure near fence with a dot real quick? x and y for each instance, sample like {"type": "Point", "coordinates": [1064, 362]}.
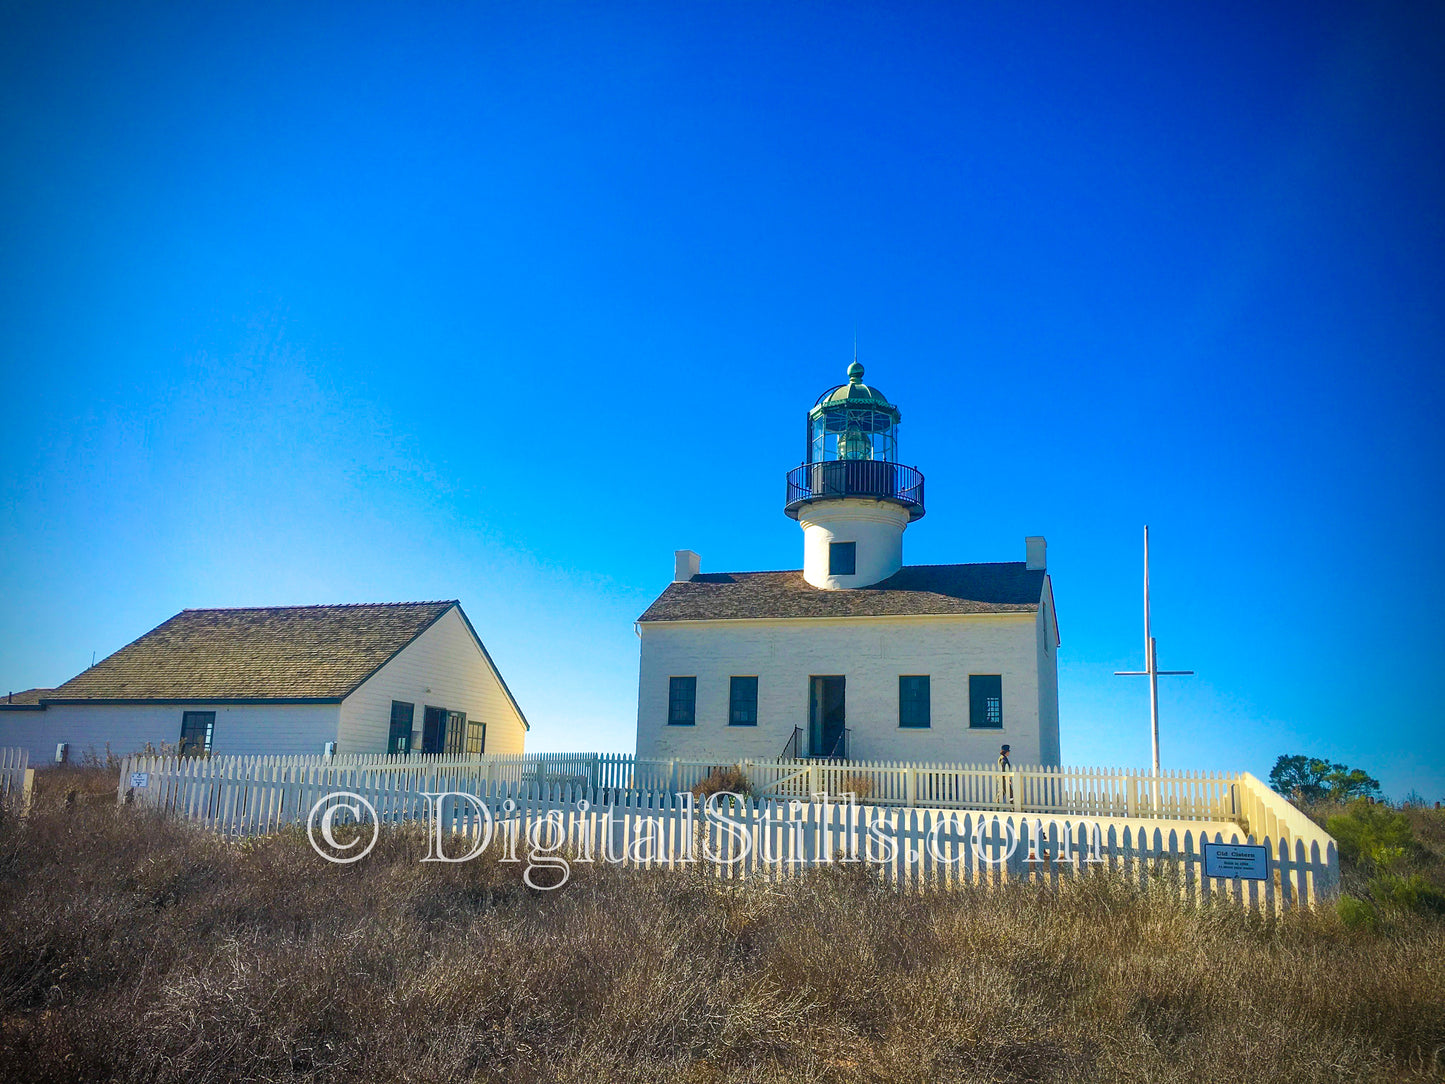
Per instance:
{"type": "Point", "coordinates": [1005, 778]}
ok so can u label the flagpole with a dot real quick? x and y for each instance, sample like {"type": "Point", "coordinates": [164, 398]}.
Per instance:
{"type": "Point", "coordinates": [1151, 660]}
{"type": "Point", "coordinates": [1152, 671]}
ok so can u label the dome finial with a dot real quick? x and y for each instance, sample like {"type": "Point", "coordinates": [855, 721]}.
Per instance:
{"type": "Point", "coordinates": [855, 372]}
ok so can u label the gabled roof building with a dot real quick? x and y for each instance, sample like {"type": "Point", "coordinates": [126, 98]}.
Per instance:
{"type": "Point", "coordinates": [367, 678]}
{"type": "Point", "coordinates": [855, 655]}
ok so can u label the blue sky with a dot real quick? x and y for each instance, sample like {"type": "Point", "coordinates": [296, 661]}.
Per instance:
{"type": "Point", "coordinates": [506, 302]}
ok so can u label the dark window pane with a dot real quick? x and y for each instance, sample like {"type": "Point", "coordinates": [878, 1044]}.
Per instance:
{"type": "Point", "coordinates": [913, 701]}
{"type": "Point", "coordinates": [743, 702]}
{"type": "Point", "coordinates": [842, 558]}
{"type": "Point", "coordinates": [985, 700]}
{"type": "Point", "coordinates": [681, 701]}
{"type": "Point", "coordinates": [197, 729]}
{"type": "Point", "coordinates": [399, 739]}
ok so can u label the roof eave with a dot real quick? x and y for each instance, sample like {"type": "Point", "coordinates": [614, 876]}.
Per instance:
{"type": "Point", "coordinates": [114, 701]}
{"type": "Point", "coordinates": [1024, 609]}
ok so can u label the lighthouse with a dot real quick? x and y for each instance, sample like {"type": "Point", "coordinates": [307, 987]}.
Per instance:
{"type": "Point", "coordinates": [851, 495]}
{"type": "Point", "coordinates": [855, 655]}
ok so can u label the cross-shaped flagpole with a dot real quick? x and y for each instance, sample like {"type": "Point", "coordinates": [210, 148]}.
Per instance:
{"type": "Point", "coordinates": [1151, 662]}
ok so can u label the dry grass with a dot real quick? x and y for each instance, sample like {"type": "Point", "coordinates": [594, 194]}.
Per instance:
{"type": "Point", "coordinates": [136, 949]}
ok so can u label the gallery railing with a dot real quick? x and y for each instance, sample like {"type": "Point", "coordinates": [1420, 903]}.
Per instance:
{"type": "Point", "coordinates": [874, 478]}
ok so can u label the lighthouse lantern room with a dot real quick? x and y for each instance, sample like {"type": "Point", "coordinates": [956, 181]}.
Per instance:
{"type": "Point", "coordinates": [851, 496]}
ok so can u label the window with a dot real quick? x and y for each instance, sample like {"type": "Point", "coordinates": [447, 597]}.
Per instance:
{"type": "Point", "coordinates": [399, 740]}
{"type": "Point", "coordinates": [913, 707]}
{"type": "Point", "coordinates": [842, 558]}
{"type": "Point", "coordinates": [743, 702]}
{"type": "Point", "coordinates": [456, 733]}
{"type": "Point", "coordinates": [476, 738]}
{"type": "Point", "coordinates": [197, 728]}
{"type": "Point", "coordinates": [681, 701]}
{"type": "Point", "coordinates": [985, 700]}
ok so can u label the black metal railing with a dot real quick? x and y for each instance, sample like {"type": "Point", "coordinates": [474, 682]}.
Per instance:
{"type": "Point", "coordinates": [793, 748]}
{"type": "Point", "coordinates": [856, 478]}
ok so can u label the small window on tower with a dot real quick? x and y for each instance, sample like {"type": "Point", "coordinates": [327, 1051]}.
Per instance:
{"type": "Point", "coordinates": [842, 558]}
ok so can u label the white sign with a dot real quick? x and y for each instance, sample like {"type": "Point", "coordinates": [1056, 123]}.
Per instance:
{"type": "Point", "coordinates": [1236, 860]}
{"type": "Point", "coordinates": [139, 780]}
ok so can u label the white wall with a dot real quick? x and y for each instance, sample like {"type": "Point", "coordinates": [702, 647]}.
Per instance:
{"type": "Point", "coordinates": [443, 668]}
{"type": "Point", "coordinates": [877, 528]}
{"type": "Point", "coordinates": [871, 653]}
{"type": "Point", "coordinates": [240, 728]}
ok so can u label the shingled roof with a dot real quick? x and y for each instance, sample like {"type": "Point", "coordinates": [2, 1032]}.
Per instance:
{"type": "Point", "coordinates": [1007, 587]}
{"type": "Point", "coordinates": [26, 700]}
{"type": "Point", "coordinates": [293, 653]}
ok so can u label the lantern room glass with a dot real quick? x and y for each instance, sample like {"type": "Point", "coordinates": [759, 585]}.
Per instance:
{"type": "Point", "coordinates": [843, 432]}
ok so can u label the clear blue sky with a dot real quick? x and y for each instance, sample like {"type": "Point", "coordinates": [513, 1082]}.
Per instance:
{"type": "Point", "coordinates": [506, 302]}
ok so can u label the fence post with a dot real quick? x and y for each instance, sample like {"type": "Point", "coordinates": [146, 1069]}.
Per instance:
{"type": "Point", "coordinates": [27, 791]}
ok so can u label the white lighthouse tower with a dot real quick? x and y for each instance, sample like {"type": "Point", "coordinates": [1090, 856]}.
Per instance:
{"type": "Point", "coordinates": [851, 496]}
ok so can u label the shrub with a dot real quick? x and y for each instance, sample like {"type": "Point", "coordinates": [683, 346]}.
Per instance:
{"type": "Point", "coordinates": [860, 786]}
{"type": "Point", "coordinates": [1357, 914]}
{"type": "Point", "coordinates": [1412, 893]}
{"type": "Point", "coordinates": [723, 780]}
{"type": "Point", "coordinates": [1373, 835]}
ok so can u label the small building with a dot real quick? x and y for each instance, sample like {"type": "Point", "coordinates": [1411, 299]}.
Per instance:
{"type": "Point", "coordinates": [855, 655]}
{"type": "Point", "coordinates": [369, 678]}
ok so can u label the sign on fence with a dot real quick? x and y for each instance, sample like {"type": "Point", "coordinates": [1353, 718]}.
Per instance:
{"type": "Point", "coordinates": [1236, 860]}
{"type": "Point", "coordinates": [140, 779]}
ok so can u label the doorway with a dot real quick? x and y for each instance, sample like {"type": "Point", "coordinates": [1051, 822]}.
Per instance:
{"type": "Point", "coordinates": [826, 716]}
{"type": "Point", "coordinates": [433, 729]}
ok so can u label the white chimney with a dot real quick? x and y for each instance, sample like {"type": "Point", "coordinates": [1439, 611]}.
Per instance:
{"type": "Point", "coordinates": [686, 565]}
{"type": "Point", "coordinates": [1034, 547]}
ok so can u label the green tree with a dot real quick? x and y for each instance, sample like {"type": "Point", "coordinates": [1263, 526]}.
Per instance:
{"type": "Point", "coordinates": [1310, 779]}
{"type": "Point", "coordinates": [1347, 784]}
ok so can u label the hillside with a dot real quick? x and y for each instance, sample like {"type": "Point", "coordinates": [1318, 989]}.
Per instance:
{"type": "Point", "coordinates": [135, 949]}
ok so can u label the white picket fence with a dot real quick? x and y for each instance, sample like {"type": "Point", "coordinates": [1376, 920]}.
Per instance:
{"type": "Point", "coordinates": [242, 796]}
{"type": "Point", "coordinates": [1099, 792]}
{"type": "Point", "coordinates": [16, 777]}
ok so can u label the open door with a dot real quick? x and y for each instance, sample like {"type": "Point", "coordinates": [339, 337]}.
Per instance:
{"type": "Point", "coordinates": [826, 716]}
{"type": "Point", "coordinates": [433, 730]}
